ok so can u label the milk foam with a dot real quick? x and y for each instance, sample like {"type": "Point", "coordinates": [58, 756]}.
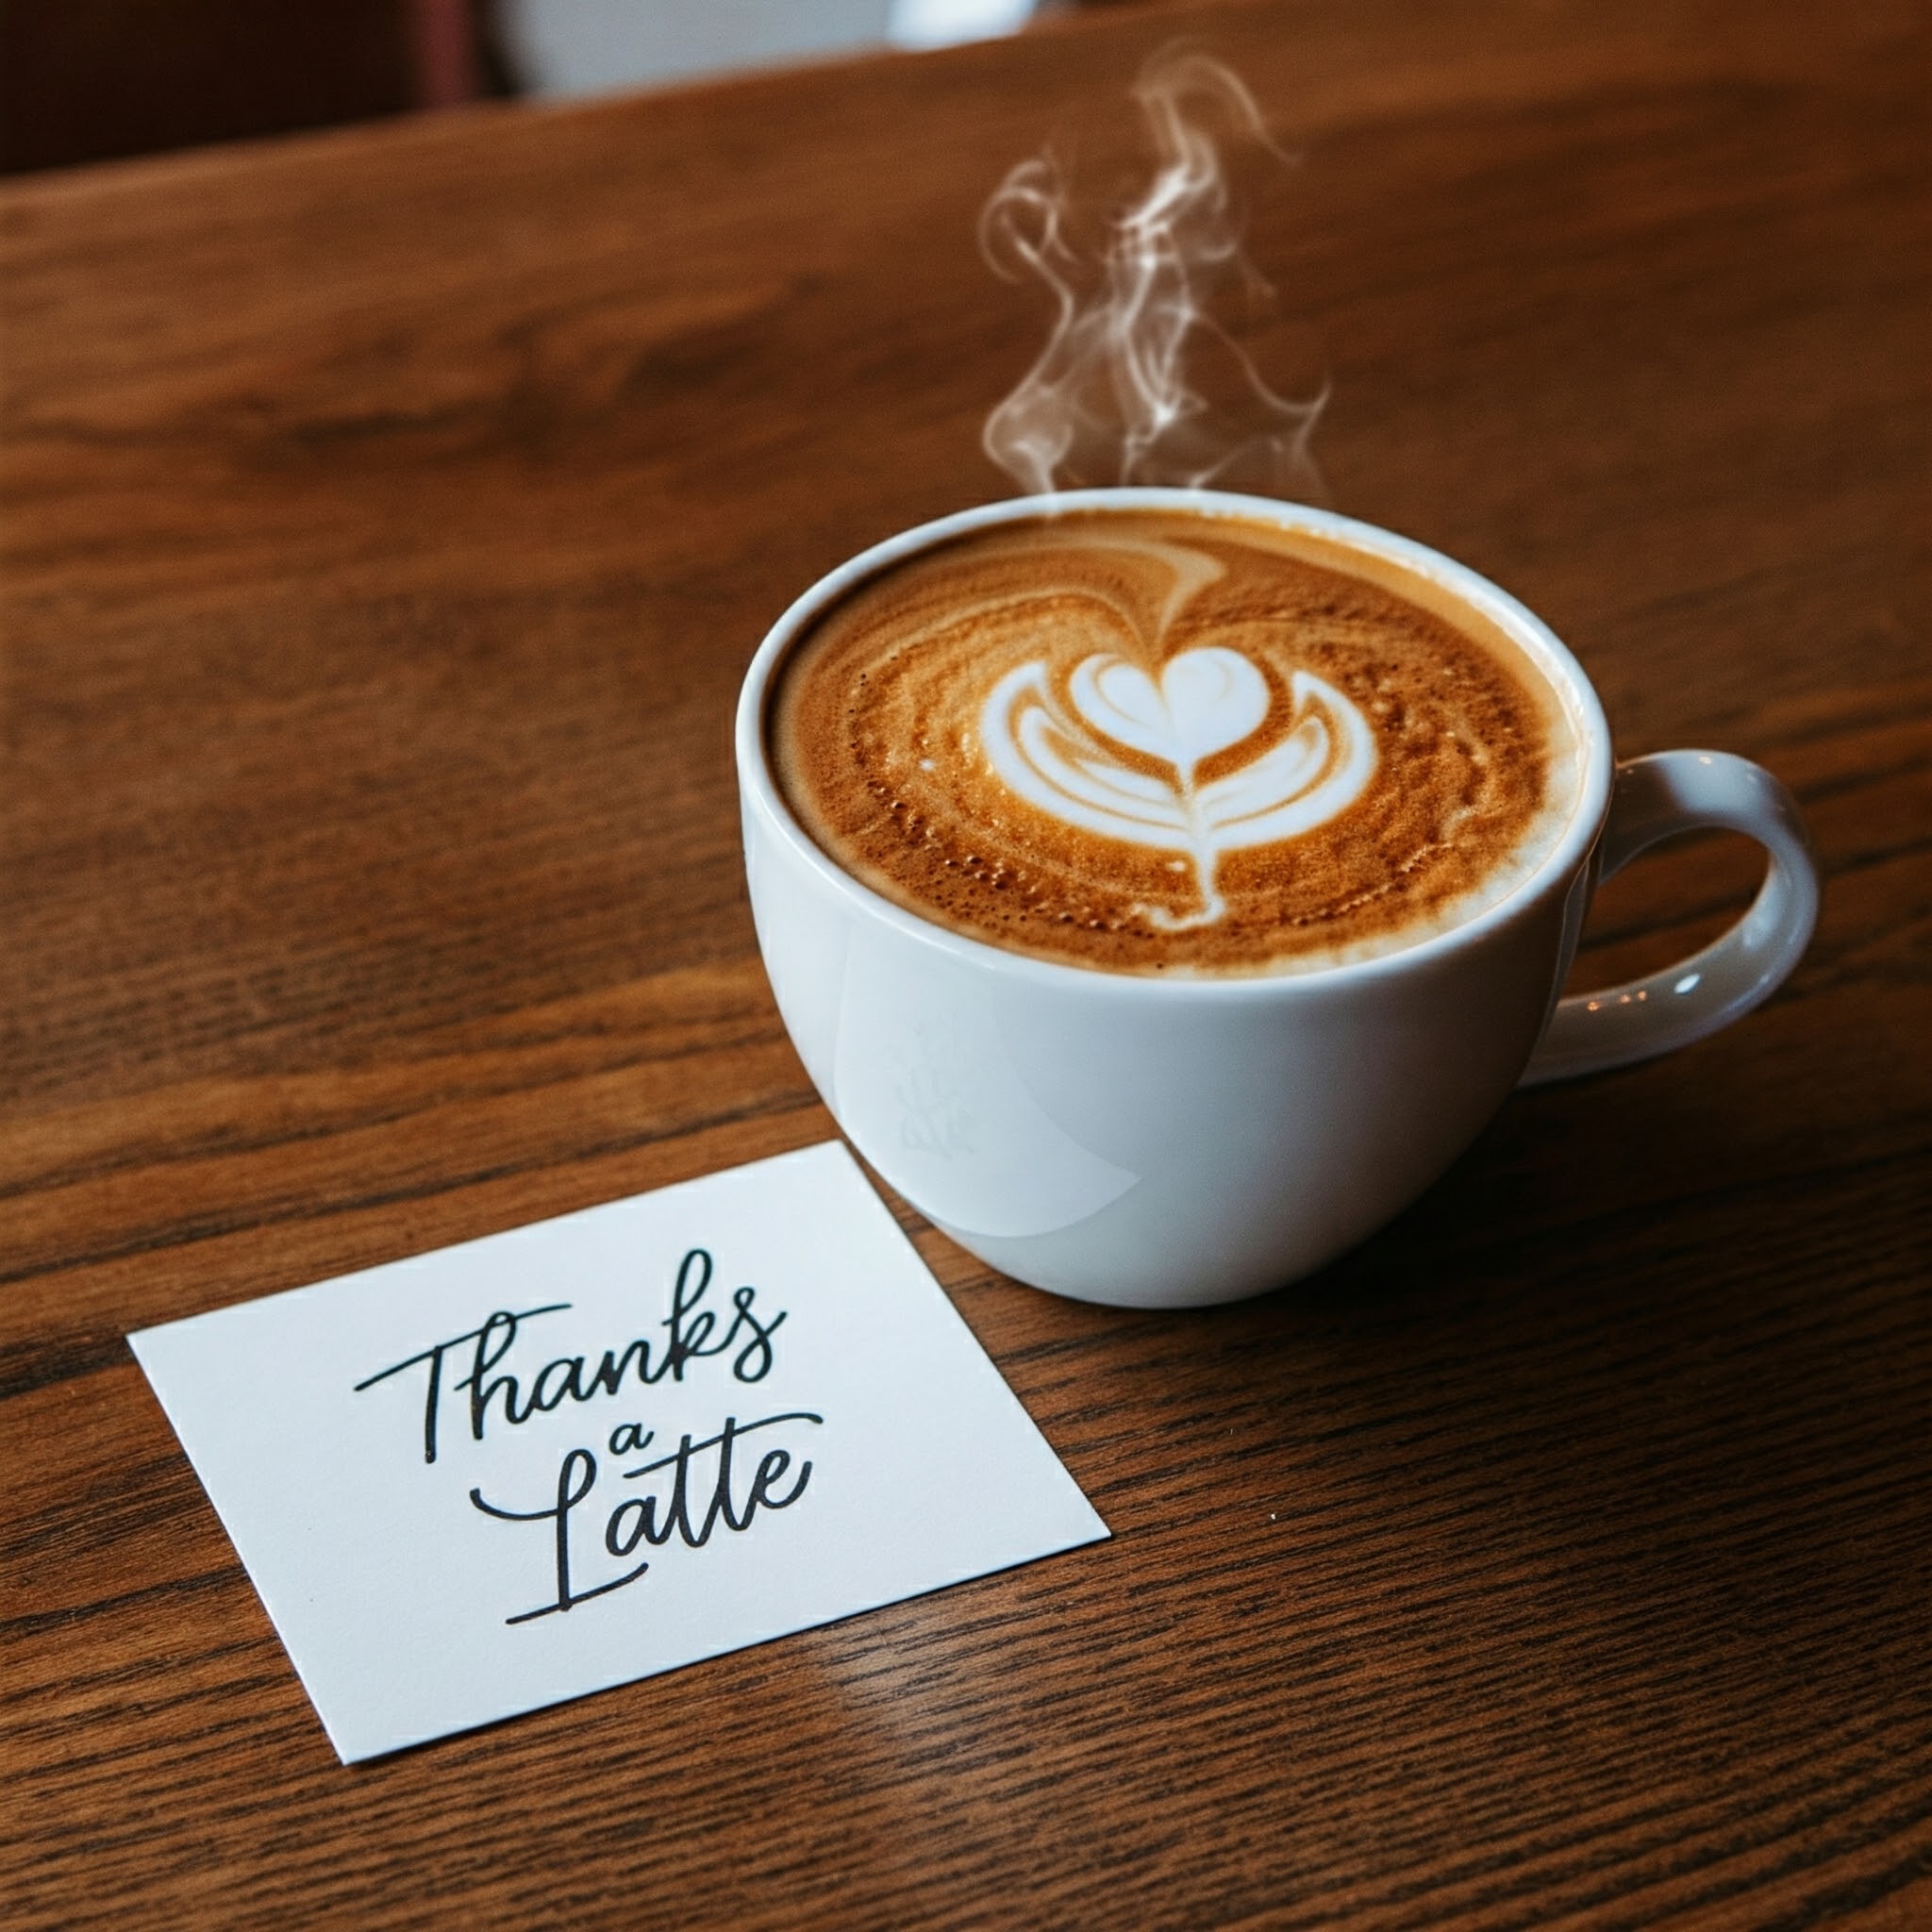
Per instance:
{"type": "Point", "coordinates": [1064, 757]}
{"type": "Point", "coordinates": [1158, 741]}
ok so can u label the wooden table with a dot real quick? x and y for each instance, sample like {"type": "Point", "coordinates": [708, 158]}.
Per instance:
{"type": "Point", "coordinates": [389, 517]}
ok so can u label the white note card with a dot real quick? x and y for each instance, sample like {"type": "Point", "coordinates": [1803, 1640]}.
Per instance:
{"type": "Point", "coordinates": [492, 1477]}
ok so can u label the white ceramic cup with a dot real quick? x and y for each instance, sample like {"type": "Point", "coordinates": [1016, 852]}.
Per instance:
{"type": "Point", "coordinates": [1163, 1143]}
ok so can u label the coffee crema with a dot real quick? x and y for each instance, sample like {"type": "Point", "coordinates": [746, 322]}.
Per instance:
{"type": "Point", "coordinates": [1171, 741]}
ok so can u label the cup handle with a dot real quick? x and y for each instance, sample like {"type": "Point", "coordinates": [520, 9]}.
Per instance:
{"type": "Point", "coordinates": [1656, 798]}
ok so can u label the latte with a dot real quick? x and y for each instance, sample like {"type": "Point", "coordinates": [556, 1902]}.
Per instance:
{"type": "Point", "coordinates": [1160, 741]}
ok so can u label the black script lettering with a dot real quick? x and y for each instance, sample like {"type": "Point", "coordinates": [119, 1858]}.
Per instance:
{"type": "Point", "coordinates": [502, 1329]}
{"type": "Point", "coordinates": [692, 1327]}
{"type": "Point", "coordinates": [656, 1519]}
{"type": "Point", "coordinates": [757, 1350]}
{"type": "Point", "coordinates": [771, 1465]}
{"type": "Point", "coordinates": [688, 1338]}
{"type": "Point", "coordinates": [543, 1396]}
{"type": "Point", "coordinates": [501, 1322]}
{"type": "Point", "coordinates": [626, 1439]}
{"type": "Point", "coordinates": [694, 1334]}
{"type": "Point", "coordinates": [576, 1479]}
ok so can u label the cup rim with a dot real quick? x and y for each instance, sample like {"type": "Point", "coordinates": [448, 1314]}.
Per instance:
{"type": "Point", "coordinates": [759, 785]}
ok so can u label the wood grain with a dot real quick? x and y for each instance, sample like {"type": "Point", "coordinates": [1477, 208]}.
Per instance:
{"type": "Point", "coordinates": [388, 518]}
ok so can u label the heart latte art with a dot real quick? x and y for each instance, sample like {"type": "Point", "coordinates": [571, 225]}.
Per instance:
{"type": "Point", "coordinates": [1066, 758]}
{"type": "Point", "coordinates": [1163, 741]}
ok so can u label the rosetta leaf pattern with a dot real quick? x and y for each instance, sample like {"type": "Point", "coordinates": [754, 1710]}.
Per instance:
{"type": "Point", "coordinates": [1081, 756]}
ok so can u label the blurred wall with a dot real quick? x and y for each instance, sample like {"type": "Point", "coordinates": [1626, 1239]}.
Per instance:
{"type": "Point", "coordinates": [84, 80]}
{"type": "Point", "coordinates": [592, 46]}
{"type": "Point", "coordinates": [90, 79]}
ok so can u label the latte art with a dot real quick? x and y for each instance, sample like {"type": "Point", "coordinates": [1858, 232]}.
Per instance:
{"type": "Point", "coordinates": [1065, 756]}
{"type": "Point", "coordinates": [1158, 741]}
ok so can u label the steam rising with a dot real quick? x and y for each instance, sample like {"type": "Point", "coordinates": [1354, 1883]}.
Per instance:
{"type": "Point", "coordinates": [1139, 383]}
